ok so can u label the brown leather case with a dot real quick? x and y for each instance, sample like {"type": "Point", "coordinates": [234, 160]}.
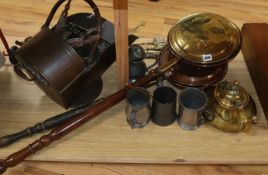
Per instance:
{"type": "Point", "coordinates": [255, 52]}
{"type": "Point", "coordinates": [56, 67]}
{"type": "Point", "coordinates": [53, 64]}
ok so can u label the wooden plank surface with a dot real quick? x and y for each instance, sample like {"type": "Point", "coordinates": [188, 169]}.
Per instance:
{"type": "Point", "coordinates": [108, 135]}
{"type": "Point", "coordinates": [108, 138]}
{"type": "Point", "coordinates": [255, 38]}
{"type": "Point", "coordinates": [121, 40]}
{"type": "Point", "coordinates": [55, 168]}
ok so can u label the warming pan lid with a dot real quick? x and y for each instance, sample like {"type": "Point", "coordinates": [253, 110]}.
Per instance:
{"type": "Point", "coordinates": [204, 38]}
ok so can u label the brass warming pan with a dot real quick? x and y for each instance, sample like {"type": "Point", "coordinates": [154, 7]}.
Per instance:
{"type": "Point", "coordinates": [185, 74]}
{"type": "Point", "coordinates": [204, 43]}
{"type": "Point", "coordinates": [204, 39]}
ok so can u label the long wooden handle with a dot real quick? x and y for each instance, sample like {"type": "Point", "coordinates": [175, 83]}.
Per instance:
{"type": "Point", "coordinates": [3, 38]}
{"type": "Point", "coordinates": [48, 124]}
{"type": "Point", "coordinates": [75, 122]}
{"type": "Point", "coordinates": [60, 131]}
{"type": "Point", "coordinates": [81, 119]}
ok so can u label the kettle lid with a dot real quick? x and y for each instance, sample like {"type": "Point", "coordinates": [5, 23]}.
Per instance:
{"type": "Point", "coordinates": [231, 95]}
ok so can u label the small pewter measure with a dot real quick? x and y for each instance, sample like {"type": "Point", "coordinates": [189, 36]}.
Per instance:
{"type": "Point", "coordinates": [192, 104]}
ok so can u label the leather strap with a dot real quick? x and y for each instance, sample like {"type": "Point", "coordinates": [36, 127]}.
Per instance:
{"type": "Point", "coordinates": [58, 4]}
{"type": "Point", "coordinates": [87, 38]}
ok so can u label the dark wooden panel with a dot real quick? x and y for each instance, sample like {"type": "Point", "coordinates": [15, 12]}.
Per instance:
{"type": "Point", "coordinates": [255, 51]}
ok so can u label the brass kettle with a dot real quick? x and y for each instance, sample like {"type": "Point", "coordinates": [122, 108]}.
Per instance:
{"type": "Point", "coordinates": [231, 107]}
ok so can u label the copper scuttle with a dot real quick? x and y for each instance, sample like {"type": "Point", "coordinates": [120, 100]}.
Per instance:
{"type": "Point", "coordinates": [231, 106]}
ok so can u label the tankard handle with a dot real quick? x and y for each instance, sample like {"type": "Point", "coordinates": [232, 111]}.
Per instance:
{"type": "Point", "coordinates": [207, 115]}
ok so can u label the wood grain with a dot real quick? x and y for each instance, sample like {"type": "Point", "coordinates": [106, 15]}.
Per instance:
{"type": "Point", "coordinates": [255, 39]}
{"type": "Point", "coordinates": [55, 168]}
{"type": "Point", "coordinates": [121, 40]}
{"type": "Point", "coordinates": [108, 138]}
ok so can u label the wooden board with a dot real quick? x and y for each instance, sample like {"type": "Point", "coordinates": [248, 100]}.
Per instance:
{"type": "Point", "coordinates": [56, 168]}
{"type": "Point", "coordinates": [121, 40]}
{"type": "Point", "coordinates": [108, 138]}
{"type": "Point", "coordinates": [255, 39]}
